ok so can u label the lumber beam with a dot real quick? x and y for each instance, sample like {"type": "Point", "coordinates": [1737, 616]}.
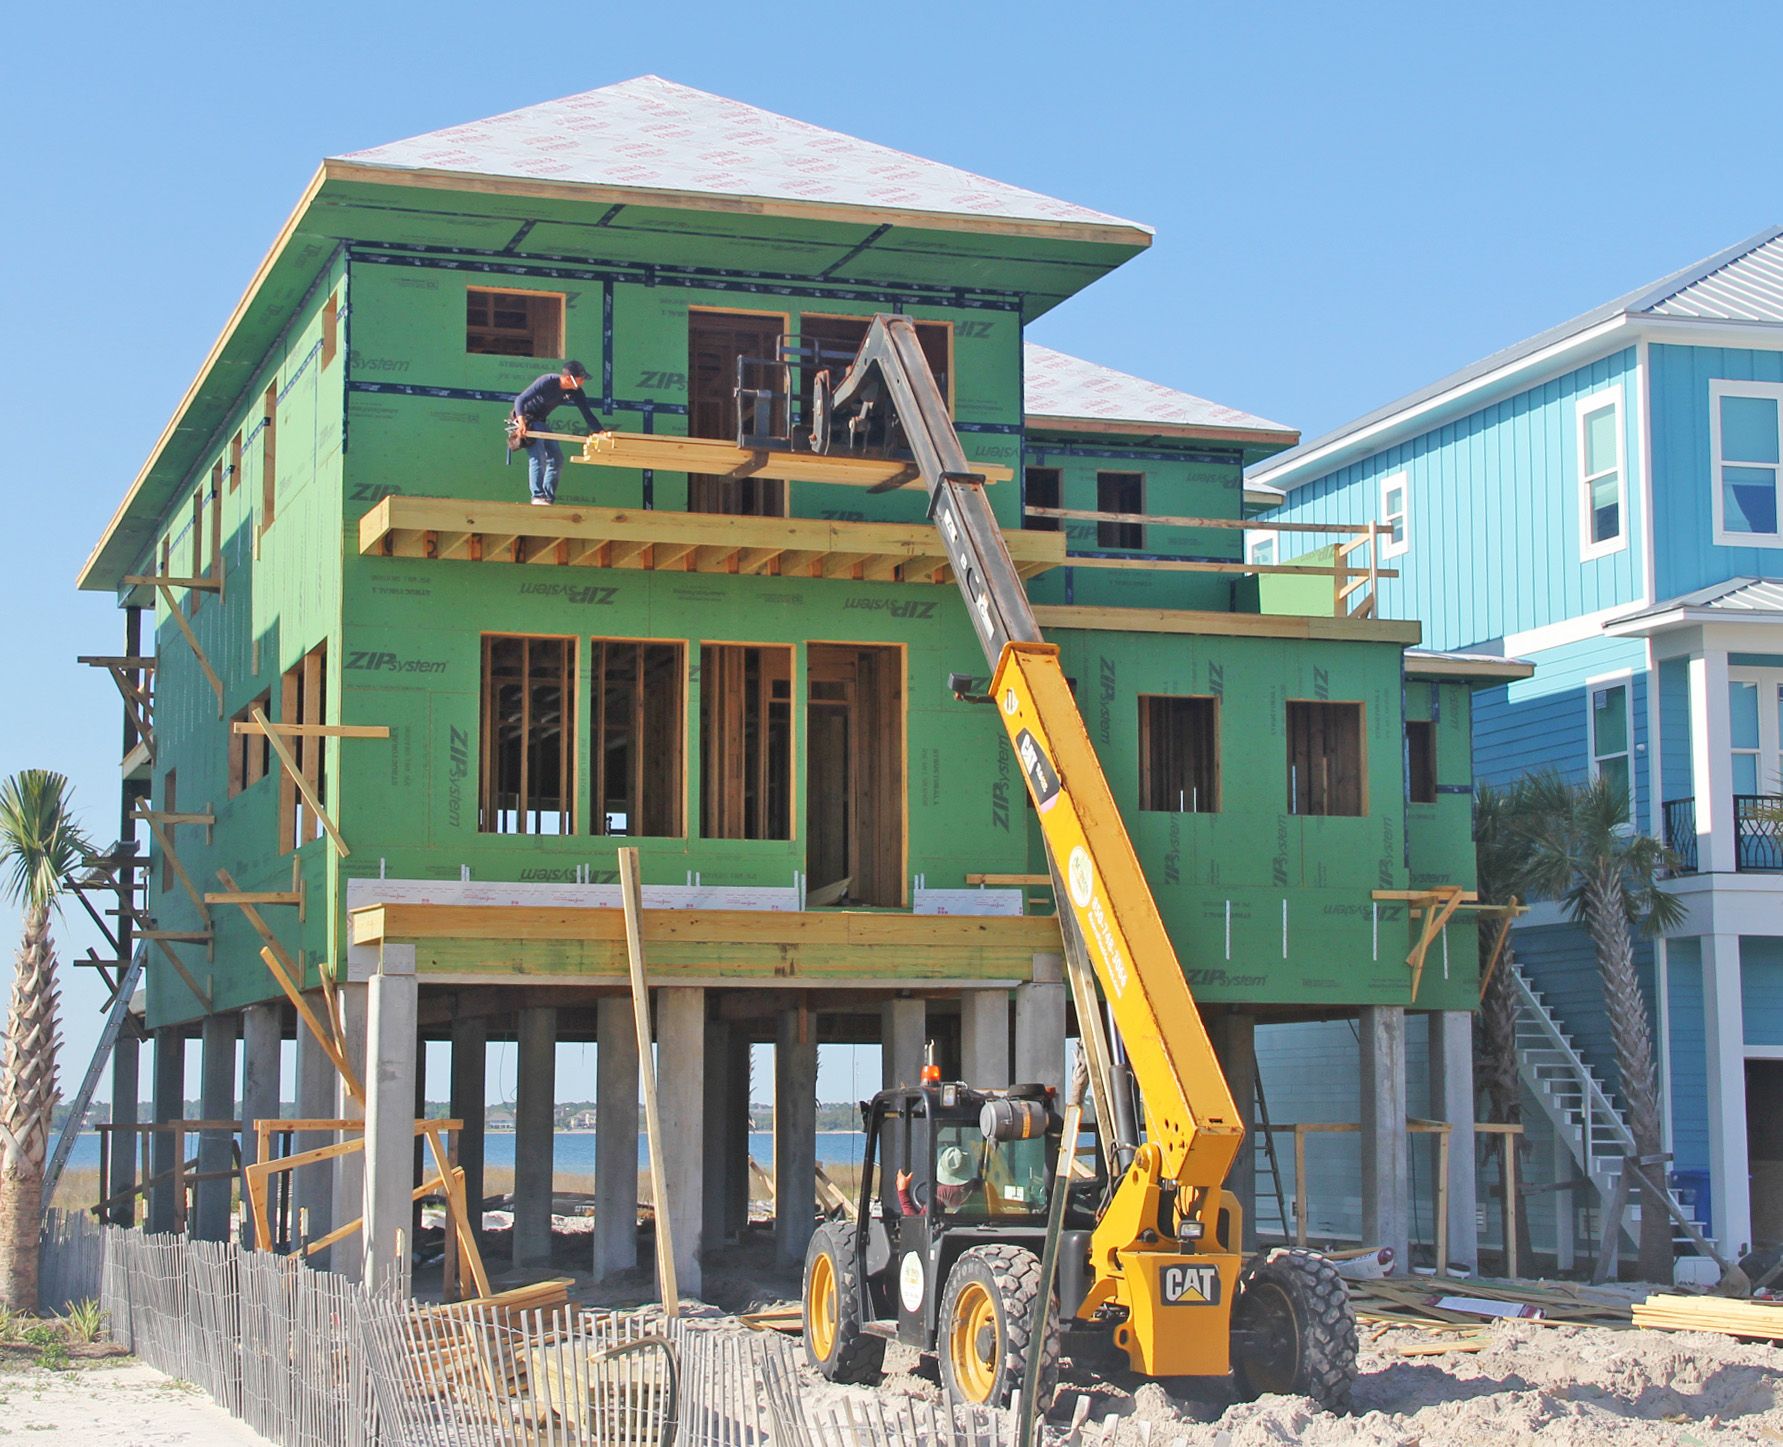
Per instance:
{"type": "Point", "coordinates": [1242, 625]}
{"type": "Point", "coordinates": [156, 580]}
{"type": "Point", "coordinates": [313, 730]}
{"type": "Point", "coordinates": [716, 457]}
{"type": "Point", "coordinates": [632, 895]}
{"type": "Point", "coordinates": [303, 785]}
{"type": "Point", "coordinates": [179, 616]}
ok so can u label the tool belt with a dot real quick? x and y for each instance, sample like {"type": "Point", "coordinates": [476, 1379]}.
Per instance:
{"type": "Point", "coordinates": [516, 429]}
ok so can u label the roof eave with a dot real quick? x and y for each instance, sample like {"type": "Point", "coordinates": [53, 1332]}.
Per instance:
{"type": "Point", "coordinates": [86, 578]}
{"type": "Point", "coordinates": [1335, 449]}
{"type": "Point", "coordinates": [1446, 665]}
{"type": "Point", "coordinates": [1190, 431]}
{"type": "Point", "coordinates": [1671, 619]}
{"type": "Point", "coordinates": [1110, 233]}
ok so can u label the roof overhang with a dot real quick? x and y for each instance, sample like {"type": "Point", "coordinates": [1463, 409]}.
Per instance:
{"type": "Point", "coordinates": [1140, 430]}
{"type": "Point", "coordinates": [834, 245]}
{"type": "Point", "coordinates": [1670, 620]}
{"type": "Point", "coordinates": [597, 194]}
{"type": "Point", "coordinates": [1465, 667]}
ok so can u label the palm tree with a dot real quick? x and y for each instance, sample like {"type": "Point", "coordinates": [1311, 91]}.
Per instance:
{"type": "Point", "coordinates": [1572, 842]}
{"type": "Point", "coordinates": [39, 844]}
{"type": "Point", "coordinates": [1498, 861]}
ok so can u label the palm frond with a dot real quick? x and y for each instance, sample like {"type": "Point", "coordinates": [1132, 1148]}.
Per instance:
{"type": "Point", "coordinates": [40, 844]}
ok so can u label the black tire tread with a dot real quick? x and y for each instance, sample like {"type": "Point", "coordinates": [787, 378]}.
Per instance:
{"type": "Point", "coordinates": [860, 1358]}
{"type": "Point", "coordinates": [1327, 1369]}
{"type": "Point", "coordinates": [1015, 1272]}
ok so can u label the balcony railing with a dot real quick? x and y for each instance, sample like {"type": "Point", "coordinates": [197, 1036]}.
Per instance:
{"type": "Point", "coordinates": [1680, 832]}
{"type": "Point", "coordinates": [1758, 832]}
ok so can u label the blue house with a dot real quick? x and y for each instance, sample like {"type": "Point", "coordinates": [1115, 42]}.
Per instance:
{"type": "Point", "coordinates": [1603, 500]}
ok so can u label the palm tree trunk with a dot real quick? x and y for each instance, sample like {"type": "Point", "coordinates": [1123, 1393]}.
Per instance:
{"type": "Point", "coordinates": [27, 1096]}
{"type": "Point", "coordinates": [1498, 1061]}
{"type": "Point", "coordinates": [1631, 1033]}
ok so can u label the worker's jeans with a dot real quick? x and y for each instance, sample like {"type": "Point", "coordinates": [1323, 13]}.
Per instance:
{"type": "Point", "coordinates": [544, 460]}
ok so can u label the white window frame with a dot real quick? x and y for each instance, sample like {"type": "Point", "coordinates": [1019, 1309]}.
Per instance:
{"type": "Point", "coordinates": [1719, 388]}
{"type": "Point", "coordinates": [1623, 679]}
{"type": "Point", "coordinates": [1610, 397]}
{"type": "Point", "coordinates": [1255, 538]}
{"type": "Point", "coordinates": [1401, 479]}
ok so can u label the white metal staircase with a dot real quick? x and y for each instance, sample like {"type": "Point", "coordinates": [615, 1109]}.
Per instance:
{"type": "Point", "coordinates": [1575, 1101]}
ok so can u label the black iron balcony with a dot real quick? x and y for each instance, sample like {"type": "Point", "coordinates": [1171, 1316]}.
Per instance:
{"type": "Point", "coordinates": [1680, 832]}
{"type": "Point", "coordinates": [1758, 832]}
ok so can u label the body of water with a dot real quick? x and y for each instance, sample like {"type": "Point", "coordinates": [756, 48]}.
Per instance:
{"type": "Point", "coordinates": [574, 1150]}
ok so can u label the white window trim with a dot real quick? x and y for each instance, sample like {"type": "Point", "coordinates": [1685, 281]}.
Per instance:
{"type": "Point", "coordinates": [1624, 679]}
{"type": "Point", "coordinates": [1772, 391]}
{"type": "Point", "coordinates": [1256, 536]}
{"type": "Point", "coordinates": [1582, 408]}
{"type": "Point", "coordinates": [1403, 481]}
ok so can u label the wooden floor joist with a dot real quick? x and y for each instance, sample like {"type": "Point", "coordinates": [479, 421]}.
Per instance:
{"type": "Point", "coordinates": [573, 535]}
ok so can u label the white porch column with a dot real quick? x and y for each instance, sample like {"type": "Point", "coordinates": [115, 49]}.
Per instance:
{"type": "Point", "coordinates": [1730, 1187]}
{"type": "Point", "coordinates": [1711, 762]}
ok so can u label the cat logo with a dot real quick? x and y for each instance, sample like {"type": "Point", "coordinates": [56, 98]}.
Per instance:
{"type": "Point", "coordinates": [1190, 1285]}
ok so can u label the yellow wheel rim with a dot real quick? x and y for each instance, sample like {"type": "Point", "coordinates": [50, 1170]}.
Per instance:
{"type": "Point", "coordinates": [974, 1345]}
{"type": "Point", "coordinates": [820, 1308]}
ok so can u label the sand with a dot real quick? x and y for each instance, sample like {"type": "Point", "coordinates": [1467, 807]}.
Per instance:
{"type": "Point", "coordinates": [117, 1402]}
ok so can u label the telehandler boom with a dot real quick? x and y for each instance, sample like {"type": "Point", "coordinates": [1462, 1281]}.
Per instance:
{"type": "Point", "coordinates": [1160, 1264]}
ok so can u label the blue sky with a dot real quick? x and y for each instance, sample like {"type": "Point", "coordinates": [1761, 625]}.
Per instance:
{"type": "Point", "coordinates": [1349, 201]}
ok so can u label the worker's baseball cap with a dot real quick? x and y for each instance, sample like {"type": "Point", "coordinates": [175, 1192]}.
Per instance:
{"type": "Point", "coordinates": [576, 370]}
{"type": "Point", "coordinates": [954, 1168]}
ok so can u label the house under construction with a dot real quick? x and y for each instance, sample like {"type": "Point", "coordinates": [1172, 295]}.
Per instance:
{"type": "Point", "coordinates": [385, 716]}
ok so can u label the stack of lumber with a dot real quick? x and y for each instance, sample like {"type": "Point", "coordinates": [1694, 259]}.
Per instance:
{"type": "Point", "coordinates": [1430, 1302]}
{"type": "Point", "coordinates": [1758, 1320]}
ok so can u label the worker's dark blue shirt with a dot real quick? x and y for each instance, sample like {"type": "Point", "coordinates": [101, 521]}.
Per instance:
{"type": "Point", "coordinates": [537, 402]}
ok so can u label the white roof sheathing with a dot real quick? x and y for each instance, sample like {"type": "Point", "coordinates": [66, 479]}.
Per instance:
{"type": "Point", "coordinates": [1064, 387]}
{"type": "Point", "coordinates": [653, 134]}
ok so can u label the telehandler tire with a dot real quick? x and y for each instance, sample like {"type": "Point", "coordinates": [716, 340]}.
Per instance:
{"type": "Point", "coordinates": [831, 1308]}
{"type": "Point", "coordinates": [1293, 1330]}
{"type": "Point", "coordinates": [982, 1334]}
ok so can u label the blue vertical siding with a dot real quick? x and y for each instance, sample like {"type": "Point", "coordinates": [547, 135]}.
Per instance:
{"type": "Point", "coordinates": [1495, 514]}
{"type": "Point", "coordinates": [1677, 779]}
{"type": "Point", "coordinates": [1543, 722]}
{"type": "Point", "coordinates": [1559, 962]}
{"type": "Point", "coordinates": [1761, 989]}
{"type": "Point", "coordinates": [1682, 501]}
{"type": "Point", "coordinates": [1688, 1106]}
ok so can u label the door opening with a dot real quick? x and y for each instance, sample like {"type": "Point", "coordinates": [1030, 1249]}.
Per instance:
{"type": "Point", "coordinates": [854, 780]}
{"type": "Point", "coordinates": [715, 341]}
{"type": "Point", "coordinates": [1764, 1139]}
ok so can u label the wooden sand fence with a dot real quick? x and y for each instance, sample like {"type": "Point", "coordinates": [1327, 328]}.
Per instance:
{"type": "Point", "coordinates": [309, 1359]}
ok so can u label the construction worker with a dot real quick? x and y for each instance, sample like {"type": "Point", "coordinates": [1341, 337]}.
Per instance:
{"type": "Point", "coordinates": [954, 1183]}
{"type": "Point", "coordinates": [532, 410]}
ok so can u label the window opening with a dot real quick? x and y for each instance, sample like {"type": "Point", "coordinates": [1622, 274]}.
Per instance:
{"type": "Point", "coordinates": [1120, 492]}
{"type": "Point", "coordinates": [1746, 459]}
{"type": "Point", "coordinates": [1043, 490]}
{"type": "Point", "coordinates": [1395, 514]}
{"type": "Point", "coordinates": [169, 803]}
{"type": "Point", "coordinates": [854, 775]}
{"type": "Point", "coordinates": [639, 725]}
{"type": "Point", "coordinates": [1609, 738]}
{"type": "Point", "coordinates": [1600, 472]}
{"type": "Point", "coordinates": [250, 754]}
{"type": "Point", "coordinates": [303, 700]}
{"type": "Point", "coordinates": [1325, 758]}
{"type": "Point", "coordinates": [269, 468]}
{"type": "Point", "coordinates": [745, 742]}
{"type": "Point", "coordinates": [513, 323]}
{"type": "Point", "coordinates": [330, 330]}
{"type": "Point", "coordinates": [528, 693]}
{"type": "Point", "coordinates": [1420, 761]}
{"type": "Point", "coordinates": [1179, 754]}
